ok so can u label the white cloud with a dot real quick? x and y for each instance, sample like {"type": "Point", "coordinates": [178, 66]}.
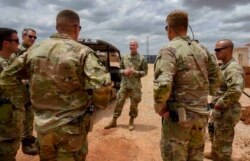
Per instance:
{"type": "Point", "coordinates": [119, 21]}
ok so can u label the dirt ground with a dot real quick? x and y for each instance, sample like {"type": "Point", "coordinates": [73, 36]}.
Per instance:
{"type": "Point", "coordinates": [142, 144]}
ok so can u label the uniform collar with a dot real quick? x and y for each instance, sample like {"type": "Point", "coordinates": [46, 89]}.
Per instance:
{"type": "Point", "coordinates": [23, 46]}
{"type": "Point", "coordinates": [223, 66]}
{"type": "Point", "coordinates": [186, 38]}
{"type": "Point", "coordinates": [1, 55]}
{"type": "Point", "coordinates": [60, 36]}
{"type": "Point", "coordinates": [133, 56]}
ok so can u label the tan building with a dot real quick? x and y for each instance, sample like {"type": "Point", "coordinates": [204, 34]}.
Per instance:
{"type": "Point", "coordinates": [242, 55]}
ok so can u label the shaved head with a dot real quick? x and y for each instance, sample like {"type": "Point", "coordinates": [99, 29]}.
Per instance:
{"type": "Point", "coordinates": [65, 18]}
{"type": "Point", "coordinates": [226, 42]}
{"type": "Point", "coordinates": [68, 22]}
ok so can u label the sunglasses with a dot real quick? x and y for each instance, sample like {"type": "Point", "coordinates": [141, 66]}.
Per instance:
{"type": "Point", "coordinates": [219, 49]}
{"type": "Point", "coordinates": [80, 27]}
{"type": "Point", "coordinates": [166, 27]}
{"type": "Point", "coordinates": [31, 37]}
{"type": "Point", "coordinates": [15, 40]}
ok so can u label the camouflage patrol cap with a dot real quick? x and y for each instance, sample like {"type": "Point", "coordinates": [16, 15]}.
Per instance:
{"type": "Point", "coordinates": [177, 19]}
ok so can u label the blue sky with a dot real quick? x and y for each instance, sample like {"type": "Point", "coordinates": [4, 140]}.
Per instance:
{"type": "Point", "coordinates": [119, 21]}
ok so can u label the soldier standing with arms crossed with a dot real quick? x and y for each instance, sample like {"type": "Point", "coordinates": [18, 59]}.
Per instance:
{"type": "Point", "coordinates": [226, 106]}
{"type": "Point", "coordinates": [11, 101]}
{"type": "Point", "coordinates": [133, 67]}
{"type": "Point", "coordinates": [65, 78]}
{"type": "Point", "coordinates": [185, 73]}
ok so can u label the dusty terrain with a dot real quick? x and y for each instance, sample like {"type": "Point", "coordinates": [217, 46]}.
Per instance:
{"type": "Point", "coordinates": [142, 144]}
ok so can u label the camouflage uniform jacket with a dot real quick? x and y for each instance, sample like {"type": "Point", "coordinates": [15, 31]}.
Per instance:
{"type": "Point", "coordinates": [11, 108]}
{"type": "Point", "coordinates": [60, 72]}
{"type": "Point", "coordinates": [17, 99]}
{"type": "Point", "coordinates": [139, 63]}
{"type": "Point", "coordinates": [4, 63]}
{"type": "Point", "coordinates": [232, 86]}
{"type": "Point", "coordinates": [21, 49]}
{"type": "Point", "coordinates": [186, 74]}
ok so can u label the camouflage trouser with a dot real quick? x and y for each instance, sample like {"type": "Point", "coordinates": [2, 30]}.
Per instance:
{"type": "Point", "coordinates": [183, 141]}
{"type": "Point", "coordinates": [8, 149]}
{"type": "Point", "coordinates": [66, 143]}
{"type": "Point", "coordinates": [135, 99]}
{"type": "Point", "coordinates": [13, 131]}
{"type": "Point", "coordinates": [224, 122]}
{"type": "Point", "coordinates": [28, 121]}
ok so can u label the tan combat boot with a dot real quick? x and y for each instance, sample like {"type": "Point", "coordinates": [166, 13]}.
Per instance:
{"type": "Point", "coordinates": [131, 124]}
{"type": "Point", "coordinates": [112, 124]}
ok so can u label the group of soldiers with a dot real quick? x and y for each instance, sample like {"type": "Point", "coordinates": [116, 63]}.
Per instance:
{"type": "Point", "coordinates": [19, 125]}
{"type": "Point", "coordinates": [185, 74]}
{"type": "Point", "coordinates": [63, 82]}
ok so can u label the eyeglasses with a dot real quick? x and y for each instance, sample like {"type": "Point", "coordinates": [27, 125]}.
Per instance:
{"type": "Point", "coordinates": [166, 27]}
{"type": "Point", "coordinates": [80, 27]}
{"type": "Point", "coordinates": [31, 37]}
{"type": "Point", "coordinates": [219, 49]}
{"type": "Point", "coordinates": [15, 40]}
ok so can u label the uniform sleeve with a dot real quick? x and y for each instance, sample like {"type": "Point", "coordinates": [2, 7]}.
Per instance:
{"type": "Point", "coordinates": [165, 68]}
{"type": "Point", "coordinates": [214, 74]}
{"type": "Point", "coordinates": [122, 67]}
{"type": "Point", "coordinates": [10, 74]}
{"type": "Point", "coordinates": [234, 78]}
{"type": "Point", "coordinates": [10, 84]}
{"type": "Point", "coordinates": [98, 80]}
{"type": "Point", "coordinates": [144, 69]}
{"type": "Point", "coordinates": [95, 71]}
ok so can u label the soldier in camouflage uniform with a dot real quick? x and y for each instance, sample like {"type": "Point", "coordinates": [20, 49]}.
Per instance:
{"type": "Point", "coordinates": [28, 140]}
{"type": "Point", "coordinates": [29, 37]}
{"type": "Point", "coordinates": [65, 78]}
{"type": "Point", "coordinates": [133, 67]}
{"type": "Point", "coordinates": [11, 108]}
{"type": "Point", "coordinates": [227, 109]}
{"type": "Point", "coordinates": [185, 73]}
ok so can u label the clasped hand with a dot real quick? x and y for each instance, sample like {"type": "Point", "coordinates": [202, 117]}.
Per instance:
{"type": "Point", "coordinates": [129, 72]}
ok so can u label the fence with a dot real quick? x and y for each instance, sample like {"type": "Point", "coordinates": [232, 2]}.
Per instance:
{"type": "Point", "coordinates": [150, 58]}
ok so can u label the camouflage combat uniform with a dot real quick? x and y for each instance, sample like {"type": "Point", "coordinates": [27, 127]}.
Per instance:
{"type": "Point", "coordinates": [64, 76]}
{"type": "Point", "coordinates": [131, 85]}
{"type": "Point", "coordinates": [184, 74]}
{"type": "Point", "coordinates": [225, 120]}
{"type": "Point", "coordinates": [11, 118]}
{"type": "Point", "coordinates": [29, 115]}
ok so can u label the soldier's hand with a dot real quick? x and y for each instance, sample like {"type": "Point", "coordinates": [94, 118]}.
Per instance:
{"type": "Point", "coordinates": [132, 71]}
{"type": "Point", "coordinates": [164, 113]}
{"type": "Point", "coordinates": [217, 106]}
{"type": "Point", "coordinates": [161, 109]}
{"type": "Point", "coordinates": [126, 72]}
